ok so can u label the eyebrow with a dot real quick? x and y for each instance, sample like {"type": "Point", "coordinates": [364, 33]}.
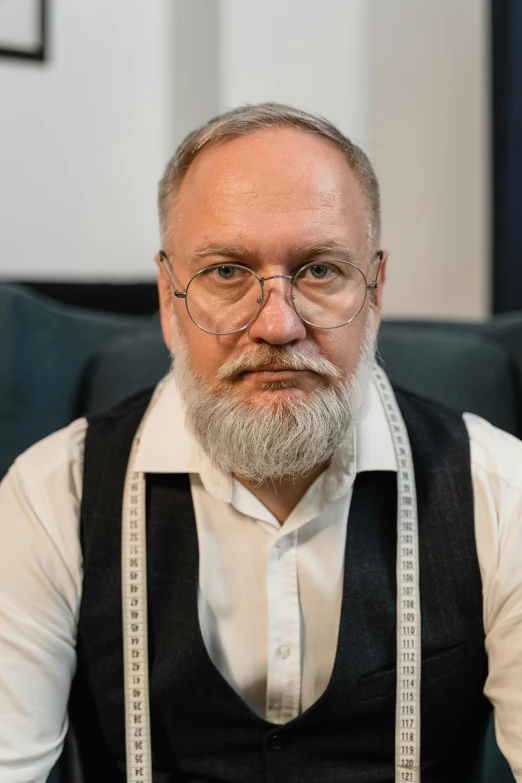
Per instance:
{"type": "Point", "coordinates": [225, 251]}
{"type": "Point", "coordinates": [337, 249]}
{"type": "Point", "coordinates": [303, 253]}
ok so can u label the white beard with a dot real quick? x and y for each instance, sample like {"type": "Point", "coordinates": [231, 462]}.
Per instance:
{"type": "Point", "coordinates": [289, 436]}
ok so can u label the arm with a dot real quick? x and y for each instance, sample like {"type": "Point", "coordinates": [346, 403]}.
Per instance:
{"type": "Point", "coordinates": [497, 480]}
{"type": "Point", "coordinates": [40, 587]}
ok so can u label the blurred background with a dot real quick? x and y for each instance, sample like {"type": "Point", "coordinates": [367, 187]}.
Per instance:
{"type": "Point", "coordinates": [95, 96]}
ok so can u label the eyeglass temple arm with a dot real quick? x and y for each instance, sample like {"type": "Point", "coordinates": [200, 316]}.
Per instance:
{"type": "Point", "coordinates": [373, 286]}
{"type": "Point", "coordinates": [179, 294]}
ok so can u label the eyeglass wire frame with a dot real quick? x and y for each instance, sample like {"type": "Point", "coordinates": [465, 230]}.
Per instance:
{"type": "Point", "coordinates": [183, 294]}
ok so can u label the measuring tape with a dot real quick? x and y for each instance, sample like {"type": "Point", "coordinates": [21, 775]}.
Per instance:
{"type": "Point", "coordinates": [134, 604]}
{"type": "Point", "coordinates": [134, 614]}
{"type": "Point", "coordinates": [407, 714]}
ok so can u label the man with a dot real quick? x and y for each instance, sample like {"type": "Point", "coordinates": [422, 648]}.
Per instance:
{"type": "Point", "coordinates": [270, 506]}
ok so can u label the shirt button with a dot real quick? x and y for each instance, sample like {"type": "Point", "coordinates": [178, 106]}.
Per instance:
{"type": "Point", "coordinates": [278, 742]}
{"type": "Point", "coordinates": [283, 652]}
{"type": "Point", "coordinates": [280, 543]}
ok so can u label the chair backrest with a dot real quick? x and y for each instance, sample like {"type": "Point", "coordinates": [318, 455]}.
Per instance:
{"type": "Point", "coordinates": [466, 370]}
{"type": "Point", "coordinates": [45, 352]}
{"type": "Point", "coordinates": [504, 330]}
{"type": "Point", "coordinates": [127, 365]}
{"type": "Point", "coordinates": [446, 365]}
{"type": "Point", "coordinates": [59, 362]}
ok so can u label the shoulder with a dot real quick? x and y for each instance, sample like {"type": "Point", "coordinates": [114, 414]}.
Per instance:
{"type": "Point", "coordinates": [43, 488]}
{"type": "Point", "coordinates": [109, 438]}
{"type": "Point", "coordinates": [494, 453]}
{"type": "Point", "coordinates": [424, 406]}
{"type": "Point", "coordinates": [437, 433]}
{"type": "Point", "coordinates": [58, 455]}
{"type": "Point", "coordinates": [116, 426]}
{"type": "Point", "coordinates": [61, 454]}
{"type": "Point", "coordinates": [129, 407]}
{"type": "Point", "coordinates": [40, 501]}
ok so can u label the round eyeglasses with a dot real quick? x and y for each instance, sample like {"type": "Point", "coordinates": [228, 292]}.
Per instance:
{"type": "Point", "coordinates": [227, 298]}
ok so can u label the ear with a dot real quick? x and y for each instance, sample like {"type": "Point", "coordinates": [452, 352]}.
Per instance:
{"type": "Point", "coordinates": [165, 295]}
{"type": "Point", "coordinates": [377, 295]}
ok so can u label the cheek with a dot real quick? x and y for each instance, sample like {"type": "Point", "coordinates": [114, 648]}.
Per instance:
{"type": "Point", "coordinates": [205, 353]}
{"type": "Point", "coordinates": [342, 346]}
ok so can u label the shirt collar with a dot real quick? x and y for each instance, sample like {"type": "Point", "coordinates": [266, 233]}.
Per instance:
{"type": "Point", "coordinates": [167, 446]}
{"type": "Point", "coordinates": [373, 441]}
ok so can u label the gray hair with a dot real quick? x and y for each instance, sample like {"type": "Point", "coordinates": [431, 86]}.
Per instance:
{"type": "Point", "coordinates": [246, 120]}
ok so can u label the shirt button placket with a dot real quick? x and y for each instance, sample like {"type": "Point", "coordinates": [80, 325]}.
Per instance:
{"type": "Point", "coordinates": [284, 656]}
{"type": "Point", "coordinates": [280, 759]}
{"type": "Point", "coordinates": [279, 741]}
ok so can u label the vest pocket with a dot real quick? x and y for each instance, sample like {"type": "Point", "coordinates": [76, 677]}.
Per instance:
{"type": "Point", "coordinates": [437, 664]}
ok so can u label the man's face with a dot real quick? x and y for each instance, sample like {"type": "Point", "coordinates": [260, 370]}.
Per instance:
{"type": "Point", "coordinates": [273, 196]}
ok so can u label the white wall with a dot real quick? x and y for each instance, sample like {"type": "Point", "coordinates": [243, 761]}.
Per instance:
{"type": "Point", "coordinates": [429, 140]}
{"type": "Point", "coordinates": [83, 142]}
{"type": "Point", "coordinates": [313, 55]}
{"type": "Point", "coordinates": [195, 45]}
{"type": "Point", "coordinates": [407, 80]}
{"type": "Point", "coordinates": [85, 138]}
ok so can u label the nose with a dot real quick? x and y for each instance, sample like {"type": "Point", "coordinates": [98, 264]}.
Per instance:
{"type": "Point", "coordinates": [277, 322]}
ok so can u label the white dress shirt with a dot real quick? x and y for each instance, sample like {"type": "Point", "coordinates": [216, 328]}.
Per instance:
{"type": "Point", "coordinates": [269, 595]}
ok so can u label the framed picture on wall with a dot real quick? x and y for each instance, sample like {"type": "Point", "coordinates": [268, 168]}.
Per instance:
{"type": "Point", "coordinates": [23, 26]}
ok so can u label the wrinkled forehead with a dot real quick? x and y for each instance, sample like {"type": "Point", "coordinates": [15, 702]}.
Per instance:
{"type": "Point", "coordinates": [271, 185]}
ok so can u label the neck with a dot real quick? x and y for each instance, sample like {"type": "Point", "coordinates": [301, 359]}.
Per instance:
{"type": "Point", "coordinates": [281, 495]}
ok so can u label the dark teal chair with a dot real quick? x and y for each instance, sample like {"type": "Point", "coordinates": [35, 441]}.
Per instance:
{"type": "Point", "coordinates": [59, 362]}
{"type": "Point", "coordinates": [46, 350]}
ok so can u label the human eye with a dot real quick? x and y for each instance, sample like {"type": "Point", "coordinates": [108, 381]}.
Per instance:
{"type": "Point", "coordinates": [321, 270]}
{"type": "Point", "coordinates": [223, 277]}
{"type": "Point", "coordinates": [226, 272]}
{"type": "Point", "coordinates": [218, 274]}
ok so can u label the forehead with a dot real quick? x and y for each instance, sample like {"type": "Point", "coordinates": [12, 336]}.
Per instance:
{"type": "Point", "coordinates": [271, 186]}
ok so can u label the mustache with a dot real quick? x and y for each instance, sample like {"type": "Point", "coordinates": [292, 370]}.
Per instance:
{"type": "Point", "coordinates": [291, 358]}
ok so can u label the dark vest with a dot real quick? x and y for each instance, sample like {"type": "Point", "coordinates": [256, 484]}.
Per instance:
{"type": "Point", "coordinates": [201, 729]}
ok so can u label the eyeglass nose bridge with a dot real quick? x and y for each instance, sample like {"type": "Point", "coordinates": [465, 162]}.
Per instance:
{"type": "Point", "coordinates": [262, 280]}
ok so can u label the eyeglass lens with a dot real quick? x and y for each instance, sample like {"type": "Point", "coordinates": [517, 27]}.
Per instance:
{"type": "Point", "coordinates": [226, 297]}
